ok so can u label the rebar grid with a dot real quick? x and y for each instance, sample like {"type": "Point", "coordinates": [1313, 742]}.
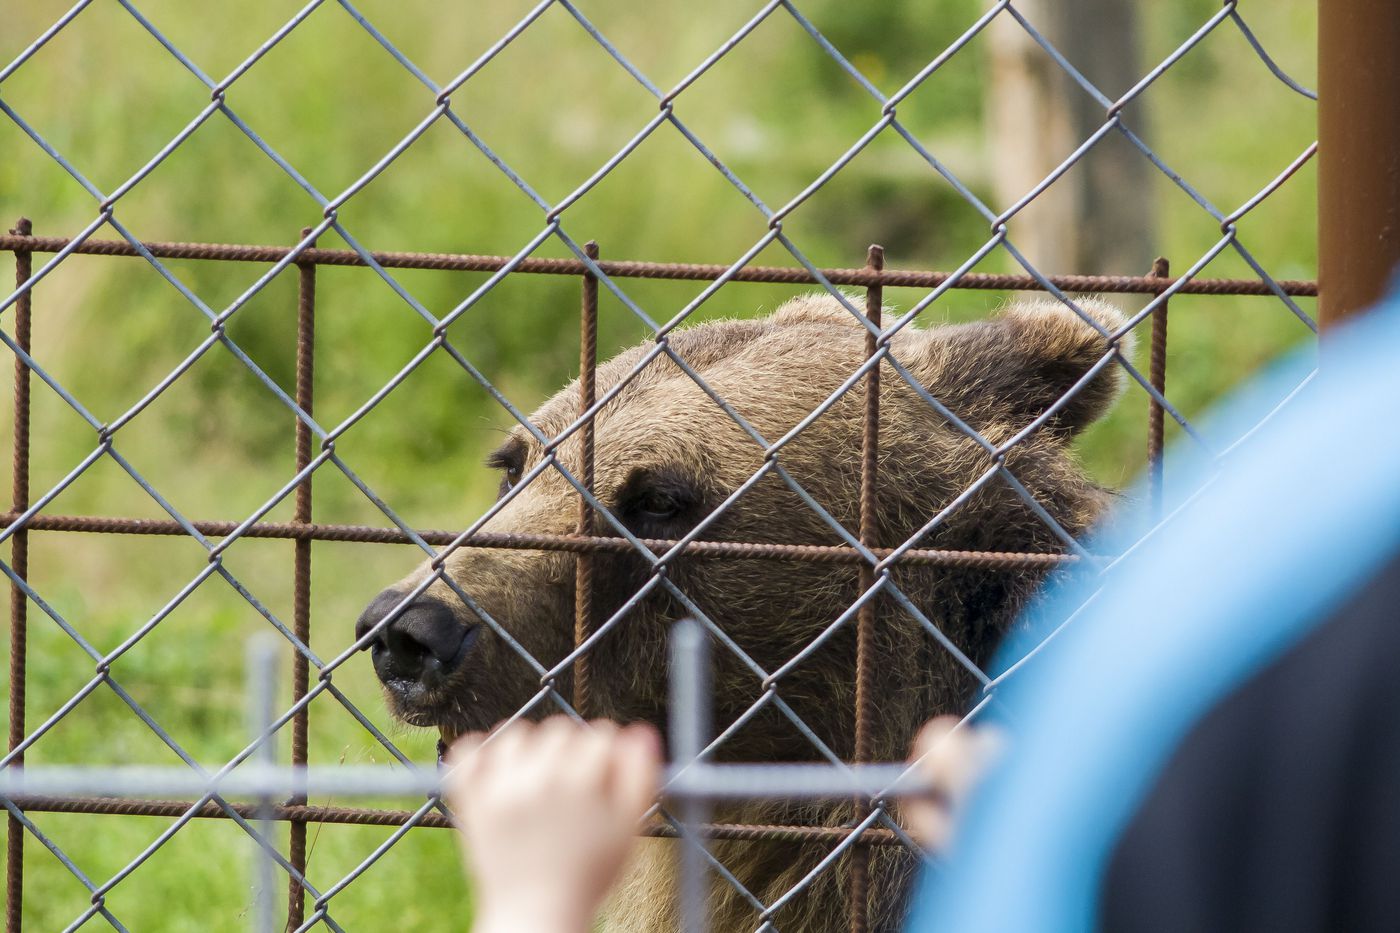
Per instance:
{"type": "Point", "coordinates": [598, 529]}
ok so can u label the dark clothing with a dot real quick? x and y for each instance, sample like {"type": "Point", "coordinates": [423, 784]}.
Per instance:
{"type": "Point", "coordinates": [1281, 809]}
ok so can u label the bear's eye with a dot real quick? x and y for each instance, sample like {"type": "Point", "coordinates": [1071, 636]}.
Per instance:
{"type": "Point", "coordinates": [510, 460]}
{"type": "Point", "coordinates": [652, 497]}
{"type": "Point", "coordinates": [508, 480]}
{"type": "Point", "coordinates": [657, 506]}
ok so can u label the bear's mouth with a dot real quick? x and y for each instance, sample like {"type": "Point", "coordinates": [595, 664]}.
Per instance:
{"type": "Point", "coordinates": [446, 736]}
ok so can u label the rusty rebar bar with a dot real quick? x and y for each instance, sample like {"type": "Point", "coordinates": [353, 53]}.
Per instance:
{"type": "Point", "coordinates": [1157, 376]}
{"type": "Point", "coordinates": [708, 550]}
{"type": "Point", "coordinates": [19, 561]}
{"type": "Point", "coordinates": [301, 585]}
{"type": "Point", "coordinates": [865, 617]}
{"type": "Point", "coordinates": [365, 816]}
{"type": "Point", "coordinates": [708, 272]}
{"type": "Point", "coordinates": [587, 395]}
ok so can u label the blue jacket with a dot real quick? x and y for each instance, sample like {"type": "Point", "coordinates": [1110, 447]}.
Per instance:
{"type": "Point", "coordinates": [1163, 738]}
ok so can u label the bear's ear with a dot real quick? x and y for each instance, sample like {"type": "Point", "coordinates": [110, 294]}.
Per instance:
{"type": "Point", "coordinates": [1003, 373]}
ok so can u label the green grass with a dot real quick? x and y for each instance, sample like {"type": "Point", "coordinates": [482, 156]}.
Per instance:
{"type": "Point", "coordinates": [217, 444]}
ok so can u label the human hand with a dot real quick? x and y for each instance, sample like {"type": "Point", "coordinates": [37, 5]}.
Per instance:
{"type": "Point", "coordinates": [549, 814]}
{"type": "Point", "coordinates": [951, 762]}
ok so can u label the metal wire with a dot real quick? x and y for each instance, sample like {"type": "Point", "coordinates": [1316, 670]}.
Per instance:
{"type": "Point", "coordinates": [598, 531]}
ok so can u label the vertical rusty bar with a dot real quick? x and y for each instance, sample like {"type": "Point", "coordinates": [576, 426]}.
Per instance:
{"type": "Point", "coordinates": [19, 560]}
{"type": "Point", "coordinates": [301, 584]}
{"type": "Point", "coordinates": [587, 395]}
{"type": "Point", "coordinates": [865, 617]}
{"type": "Point", "coordinates": [1358, 123]}
{"type": "Point", "coordinates": [1157, 376]}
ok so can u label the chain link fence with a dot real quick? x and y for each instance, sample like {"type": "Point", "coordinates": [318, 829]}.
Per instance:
{"type": "Point", "coordinates": [562, 684]}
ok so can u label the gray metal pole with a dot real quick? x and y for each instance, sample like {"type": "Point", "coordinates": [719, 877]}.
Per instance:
{"type": "Point", "coordinates": [690, 730]}
{"type": "Point", "coordinates": [264, 654]}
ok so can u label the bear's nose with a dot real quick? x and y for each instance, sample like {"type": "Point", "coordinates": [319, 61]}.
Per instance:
{"type": "Point", "coordinates": [423, 643]}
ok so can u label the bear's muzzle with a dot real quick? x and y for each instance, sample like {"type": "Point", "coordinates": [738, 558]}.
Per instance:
{"type": "Point", "coordinates": [416, 652]}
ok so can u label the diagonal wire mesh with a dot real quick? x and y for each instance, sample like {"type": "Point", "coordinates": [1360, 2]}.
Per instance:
{"type": "Point", "coordinates": [562, 685]}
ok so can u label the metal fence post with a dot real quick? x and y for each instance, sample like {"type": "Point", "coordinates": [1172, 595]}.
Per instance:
{"type": "Point", "coordinates": [1358, 122]}
{"type": "Point", "coordinates": [262, 658]}
{"type": "Point", "coordinates": [689, 728]}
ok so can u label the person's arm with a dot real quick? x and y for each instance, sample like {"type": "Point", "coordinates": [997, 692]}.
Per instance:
{"type": "Point", "coordinates": [549, 814]}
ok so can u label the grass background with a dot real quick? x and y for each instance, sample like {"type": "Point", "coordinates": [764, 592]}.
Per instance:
{"type": "Point", "coordinates": [554, 106]}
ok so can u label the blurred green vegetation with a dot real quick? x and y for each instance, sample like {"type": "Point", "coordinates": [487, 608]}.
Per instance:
{"type": "Point", "coordinates": [554, 106]}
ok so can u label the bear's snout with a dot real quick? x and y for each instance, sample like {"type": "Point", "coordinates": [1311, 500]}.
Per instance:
{"type": "Point", "coordinates": [420, 647]}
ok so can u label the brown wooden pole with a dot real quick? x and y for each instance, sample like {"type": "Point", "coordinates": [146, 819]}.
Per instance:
{"type": "Point", "coordinates": [1358, 117]}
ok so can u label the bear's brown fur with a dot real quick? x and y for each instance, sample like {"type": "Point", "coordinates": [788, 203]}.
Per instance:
{"type": "Point", "coordinates": [667, 455]}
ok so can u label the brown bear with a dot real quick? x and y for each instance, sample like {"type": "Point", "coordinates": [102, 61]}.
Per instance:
{"type": "Point", "coordinates": [667, 456]}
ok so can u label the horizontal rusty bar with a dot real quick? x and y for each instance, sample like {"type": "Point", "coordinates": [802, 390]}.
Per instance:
{"type": "Point", "coordinates": [762, 832]}
{"type": "Point", "coordinates": [122, 806]}
{"type": "Point", "coordinates": [463, 262]}
{"type": "Point", "coordinates": [813, 553]}
{"type": "Point", "coordinates": [363, 816]}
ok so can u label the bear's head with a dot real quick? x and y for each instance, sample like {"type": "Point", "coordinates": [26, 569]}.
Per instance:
{"type": "Point", "coordinates": [670, 458]}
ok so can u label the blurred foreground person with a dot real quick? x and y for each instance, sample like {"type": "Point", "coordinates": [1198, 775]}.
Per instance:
{"type": "Point", "coordinates": [549, 814]}
{"type": "Point", "coordinates": [1211, 743]}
